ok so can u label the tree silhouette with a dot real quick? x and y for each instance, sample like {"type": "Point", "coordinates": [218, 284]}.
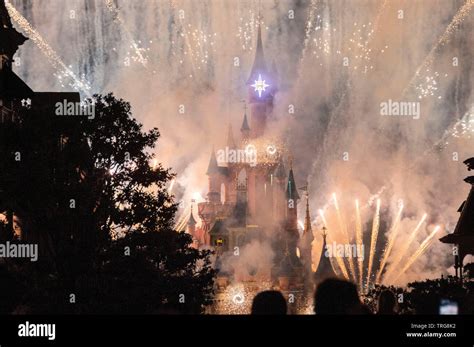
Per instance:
{"type": "Point", "coordinates": [87, 191]}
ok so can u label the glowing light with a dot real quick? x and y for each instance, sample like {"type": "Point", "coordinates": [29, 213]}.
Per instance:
{"type": "Point", "coordinates": [359, 240]}
{"type": "Point", "coordinates": [198, 197]}
{"type": "Point", "coordinates": [402, 252]}
{"type": "Point", "coordinates": [53, 57]}
{"type": "Point", "coordinates": [260, 86]}
{"type": "Point", "coordinates": [390, 243]}
{"type": "Point", "coordinates": [321, 213]}
{"type": "Point", "coordinates": [343, 230]}
{"type": "Point", "coordinates": [170, 188]}
{"type": "Point", "coordinates": [424, 245]}
{"type": "Point", "coordinates": [373, 240]}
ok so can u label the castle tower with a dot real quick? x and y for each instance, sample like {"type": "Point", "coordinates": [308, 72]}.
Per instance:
{"type": "Point", "coordinates": [278, 185]}
{"type": "Point", "coordinates": [245, 129]}
{"type": "Point", "coordinates": [191, 223]}
{"type": "Point", "coordinates": [305, 244]}
{"type": "Point", "coordinates": [325, 269]}
{"type": "Point", "coordinates": [292, 198]}
{"type": "Point", "coordinates": [261, 91]}
{"type": "Point", "coordinates": [214, 174]}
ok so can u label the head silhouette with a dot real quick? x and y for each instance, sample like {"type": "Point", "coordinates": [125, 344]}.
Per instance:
{"type": "Point", "coordinates": [335, 296]}
{"type": "Point", "coordinates": [269, 302]}
{"type": "Point", "coordinates": [387, 302]}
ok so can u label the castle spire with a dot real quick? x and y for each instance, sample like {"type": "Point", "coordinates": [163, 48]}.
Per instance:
{"type": "Point", "coordinates": [308, 232]}
{"type": "Point", "coordinates": [212, 168]}
{"type": "Point", "coordinates": [325, 269]}
{"type": "Point", "coordinates": [245, 129]}
{"type": "Point", "coordinates": [280, 171]}
{"type": "Point", "coordinates": [291, 190]}
{"type": "Point", "coordinates": [230, 137]}
{"type": "Point", "coordinates": [259, 66]}
{"type": "Point", "coordinates": [191, 221]}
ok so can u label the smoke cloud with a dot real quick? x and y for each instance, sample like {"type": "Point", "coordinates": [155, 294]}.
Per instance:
{"type": "Point", "coordinates": [336, 66]}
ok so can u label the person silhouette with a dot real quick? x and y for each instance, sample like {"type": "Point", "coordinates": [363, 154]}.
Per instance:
{"type": "Point", "coordinates": [336, 296]}
{"type": "Point", "coordinates": [387, 302]}
{"type": "Point", "coordinates": [269, 302]}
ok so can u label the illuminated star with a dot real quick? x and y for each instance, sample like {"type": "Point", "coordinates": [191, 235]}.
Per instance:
{"type": "Point", "coordinates": [260, 85]}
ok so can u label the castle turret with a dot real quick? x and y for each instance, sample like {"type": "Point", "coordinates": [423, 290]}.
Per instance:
{"type": "Point", "coordinates": [213, 173]}
{"type": "Point", "coordinates": [292, 198]}
{"type": "Point", "coordinates": [325, 269]}
{"type": "Point", "coordinates": [306, 244]}
{"type": "Point", "coordinates": [245, 129]}
{"type": "Point", "coordinates": [278, 185]}
{"type": "Point", "coordinates": [191, 223]}
{"type": "Point", "coordinates": [230, 138]}
{"type": "Point", "coordinates": [260, 91]}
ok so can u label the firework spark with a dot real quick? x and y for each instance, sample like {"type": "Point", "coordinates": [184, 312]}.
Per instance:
{"type": "Point", "coordinates": [390, 242]}
{"type": "Point", "coordinates": [359, 240]}
{"type": "Point", "coordinates": [51, 55]}
{"type": "Point", "coordinates": [402, 252]}
{"type": "Point", "coordinates": [423, 247]}
{"type": "Point", "coordinates": [373, 240]}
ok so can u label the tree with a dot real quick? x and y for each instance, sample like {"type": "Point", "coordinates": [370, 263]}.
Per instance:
{"type": "Point", "coordinates": [99, 207]}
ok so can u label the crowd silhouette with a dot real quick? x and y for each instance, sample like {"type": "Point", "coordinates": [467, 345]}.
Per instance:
{"type": "Point", "coordinates": [332, 296]}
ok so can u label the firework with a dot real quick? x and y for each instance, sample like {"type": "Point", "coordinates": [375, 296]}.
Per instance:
{"type": "Point", "coordinates": [402, 252]}
{"type": "Point", "coordinates": [343, 229]}
{"type": "Point", "coordinates": [390, 242]}
{"type": "Point", "coordinates": [139, 52]}
{"type": "Point", "coordinates": [359, 240]}
{"type": "Point", "coordinates": [443, 40]}
{"type": "Point", "coordinates": [423, 247]}
{"type": "Point", "coordinates": [373, 240]}
{"type": "Point", "coordinates": [51, 55]}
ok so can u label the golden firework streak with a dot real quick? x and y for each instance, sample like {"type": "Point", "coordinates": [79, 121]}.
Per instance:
{"type": "Point", "coordinates": [52, 56]}
{"type": "Point", "coordinates": [359, 241]}
{"type": "Point", "coordinates": [373, 240]}
{"type": "Point", "coordinates": [403, 251]}
{"type": "Point", "coordinates": [423, 247]}
{"type": "Point", "coordinates": [390, 243]}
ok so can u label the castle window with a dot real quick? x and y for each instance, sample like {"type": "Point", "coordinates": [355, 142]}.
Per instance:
{"type": "Point", "coordinates": [223, 192]}
{"type": "Point", "coordinates": [242, 179]}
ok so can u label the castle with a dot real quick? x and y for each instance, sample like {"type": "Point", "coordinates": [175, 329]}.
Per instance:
{"type": "Point", "coordinates": [252, 195]}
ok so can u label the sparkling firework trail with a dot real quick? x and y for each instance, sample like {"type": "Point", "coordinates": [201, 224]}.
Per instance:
{"type": "Point", "coordinates": [452, 27]}
{"type": "Point", "coordinates": [52, 56]}
{"type": "Point", "coordinates": [308, 31]}
{"type": "Point", "coordinates": [423, 247]}
{"type": "Point", "coordinates": [343, 228]}
{"type": "Point", "coordinates": [402, 252]}
{"type": "Point", "coordinates": [170, 188]}
{"type": "Point", "coordinates": [138, 51]}
{"type": "Point", "coordinates": [390, 243]}
{"type": "Point", "coordinates": [359, 240]}
{"type": "Point", "coordinates": [373, 240]}
{"type": "Point", "coordinates": [321, 214]}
